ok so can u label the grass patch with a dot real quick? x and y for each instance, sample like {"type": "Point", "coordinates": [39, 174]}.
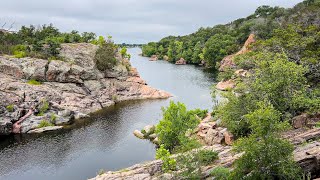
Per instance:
{"type": "Point", "coordinates": [45, 123]}
{"type": "Point", "coordinates": [53, 118]}
{"type": "Point", "coordinates": [206, 157]}
{"type": "Point", "coordinates": [101, 171]}
{"type": "Point", "coordinates": [10, 108]}
{"type": "Point", "coordinates": [44, 106]}
{"type": "Point", "coordinates": [34, 82]}
{"type": "Point", "coordinates": [220, 173]}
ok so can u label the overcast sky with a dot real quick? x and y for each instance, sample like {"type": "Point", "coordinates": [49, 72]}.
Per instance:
{"type": "Point", "coordinates": [131, 21]}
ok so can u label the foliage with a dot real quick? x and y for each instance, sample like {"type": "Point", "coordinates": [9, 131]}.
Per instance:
{"type": "Point", "coordinates": [34, 82]}
{"type": "Point", "coordinates": [300, 44]}
{"type": "Point", "coordinates": [217, 47]}
{"type": "Point", "coordinates": [105, 57]}
{"type": "Point", "coordinates": [169, 164]}
{"type": "Point", "coordinates": [190, 163]}
{"type": "Point", "coordinates": [101, 172]}
{"type": "Point", "coordinates": [266, 156]}
{"type": "Point", "coordinates": [41, 42]}
{"type": "Point", "coordinates": [149, 49]}
{"type": "Point", "coordinates": [213, 43]}
{"type": "Point", "coordinates": [44, 123]}
{"type": "Point", "coordinates": [220, 173]}
{"type": "Point", "coordinates": [10, 108]}
{"type": "Point", "coordinates": [53, 118]}
{"type": "Point", "coordinates": [43, 107]}
{"type": "Point", "coordinates": [186, 144]}
{"type": "Point", "coordinates": [275, 80]}
{"type": "Point", "coordinates": [225, 75]}
{"type": "Point", "coordinates": [206, 157]}
{"type": "Point", "coordinates": [174, 124]}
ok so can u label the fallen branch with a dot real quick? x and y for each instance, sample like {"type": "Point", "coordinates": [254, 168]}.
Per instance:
{"type": "Point", "coordinates": [17, 125]}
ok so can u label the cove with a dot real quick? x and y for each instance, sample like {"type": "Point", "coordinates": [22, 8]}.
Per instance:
{"type": "Point", "coordinates": [105, 141]}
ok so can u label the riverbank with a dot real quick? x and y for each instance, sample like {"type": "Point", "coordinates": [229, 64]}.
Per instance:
{"type": "Point", "coordinates": [57, 92]}
{"type": "Point", "coordinates": [217, 139]}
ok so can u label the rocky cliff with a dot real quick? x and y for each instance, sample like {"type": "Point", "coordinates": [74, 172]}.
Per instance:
{"type": "Point", "coordinates": [70, 88]}
{"type": "Point", "coordinates": [228, 62]}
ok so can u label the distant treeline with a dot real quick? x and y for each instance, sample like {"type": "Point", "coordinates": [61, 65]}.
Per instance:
{"type": "Point", "coordinates": [211, 44]}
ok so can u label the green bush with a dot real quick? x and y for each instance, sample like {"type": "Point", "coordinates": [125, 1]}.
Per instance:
{"type": "Point", "coordinates": [169, 164]}
{"type": "Point", "coordinates": [220, 173]}
{"type": "Point", "coordinates": [275, 80]}
{"type": "Point", "coordinates": [44, 123]}
{"type": "Point", "coordinates": [53, 118]}
{"type": "Point", "coordinates": [34, 82]}
{"type": "Point", "coordinates": [189, 164]}
{"type": "Point", "coordinates": [105, 57]}
{"type": "Point", "coordinates": [174, 124]}
{"type": "Point", "coordinates": [10, 108]}
{"type": "Point", "coordinates": [225, 75]}
{"type": "Point", "coordinates": [207, 157]}
{"type": "Point", "coordinates": [19, 54]}
{"type": "Point", "coordinates": [186, 144]}
{"type": "Point", "coordinates": [43, 107]}
{"type": "Point", "coordinates": [266, 156]}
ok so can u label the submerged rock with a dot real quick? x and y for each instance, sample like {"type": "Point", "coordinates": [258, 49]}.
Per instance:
{"type": "Point", "coordinates": [138, 134]}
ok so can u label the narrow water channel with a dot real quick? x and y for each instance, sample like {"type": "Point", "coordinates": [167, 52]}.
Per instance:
{"type": "Point", "coordinates": [105, 141]}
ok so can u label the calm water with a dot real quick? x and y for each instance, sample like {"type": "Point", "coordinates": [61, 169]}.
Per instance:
{"type": "Point", "coordinates": [105, 141]}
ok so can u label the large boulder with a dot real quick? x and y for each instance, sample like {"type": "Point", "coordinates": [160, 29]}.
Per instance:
{"type": "Point", "coordinates": [300, 121]}
{"type": "Point", "coordinates": [33, 68]}
{"type": "Point", "coordinates": [8, 67]}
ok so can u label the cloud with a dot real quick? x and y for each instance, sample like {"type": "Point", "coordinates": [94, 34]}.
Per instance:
{"type": "Point", "coordinates": [132, 21]}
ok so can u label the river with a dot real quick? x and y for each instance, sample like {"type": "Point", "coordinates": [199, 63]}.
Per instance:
{"type": "Point", "coordinates": [105, 141]}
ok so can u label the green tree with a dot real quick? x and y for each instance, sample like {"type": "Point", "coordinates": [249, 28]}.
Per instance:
{"type": "Point", "coordinates": [266, 155]}
{"type": "Point", "coordinates": [175, 122]}
{"type": "Point", "coordinates": [105, 57]}
{"type": "Point", "coordinates": [217, 47]}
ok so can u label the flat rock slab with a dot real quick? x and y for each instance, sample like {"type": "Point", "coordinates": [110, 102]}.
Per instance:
{"type": "Point", "coordinates": [45, 129]}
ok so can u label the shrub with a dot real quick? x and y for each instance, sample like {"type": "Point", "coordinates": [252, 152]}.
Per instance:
{"type": "Point", "coordinates": [34, 82]}
{"type": "Point", "coordinates": [101, 171]}
{"type": "Point", "coordinates": [266, 156]}
{"type": "Point", "coordinates": [169, 164]}
{"type": "Point", "coordinates": [189, 164]}
{"type": "Point", "coordinates": [19, 54]}
{"type": "Point", "coordinates": [44, 106]}
{"type": "Point", "coordinates": [187, 144]}
{"type": "Point", "coordinates": [105, 57]}
{"type": "Point", "coordinates": [206, 156]}
{"type": "Point", "coordinates": [53, 118]}
{"type": "Point", "coordinates": [10, 108]}
{"type": "Point", "coordinates": [220, 173]}
{"type": "Point", "coordinates": [225, 75]}
{"type": "Point", "coordinates": [44, 123]}
{"type": "Point", "coordinates": [174, 124]}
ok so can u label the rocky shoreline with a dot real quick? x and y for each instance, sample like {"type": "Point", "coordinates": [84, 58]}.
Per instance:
{"type": "Point", "coordinates": [218, 139]}
{"type": "Point", "coordinates": [66, 89]}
